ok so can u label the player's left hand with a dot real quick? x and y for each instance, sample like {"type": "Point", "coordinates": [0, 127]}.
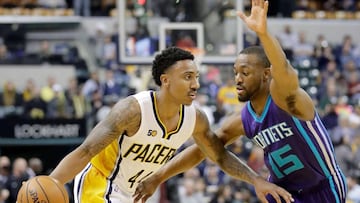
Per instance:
{"type": "Point", "coordinates": [145, 189]}
{"type": "Point", "coordinates": [257, 19]}
{"type": "Point", "coordinates": [263, 187]}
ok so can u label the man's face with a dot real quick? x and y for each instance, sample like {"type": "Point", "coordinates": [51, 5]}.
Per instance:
{"type": "Point", "coordinates": [248, 76]}
{"type": "Point", "coordinates": [182, 81]}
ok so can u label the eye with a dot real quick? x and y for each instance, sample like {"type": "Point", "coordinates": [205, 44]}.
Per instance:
{"type": "Point", "coordinates": [188, 77]}
{"type": "Point", "coordinates": [245, 73]}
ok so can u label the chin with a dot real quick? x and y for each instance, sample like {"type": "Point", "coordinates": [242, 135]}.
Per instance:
{"type": "Point", "coordinates": [243, 99]}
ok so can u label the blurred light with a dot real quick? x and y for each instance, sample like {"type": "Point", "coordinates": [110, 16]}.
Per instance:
{"type": "Point", "coordinates": [313, 90]}
{"type": "Point", "coordinates": [141, 2]}
{"type": "Point", "coordinates": [304, 81]}
{"type": "Point", "coordinates": [315, 73]}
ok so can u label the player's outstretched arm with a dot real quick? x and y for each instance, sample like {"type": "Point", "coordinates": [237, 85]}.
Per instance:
{"type": "Point", "coordinates": [214, 148]}
{"type": "Point", "coordinates": [285, 88]}
{"type": "Point", "coordinates": [185, 160]}
{"type": "Point", "coordinates": [106, 131]}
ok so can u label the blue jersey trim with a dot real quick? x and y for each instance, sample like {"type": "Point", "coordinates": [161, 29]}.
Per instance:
{"type": "Point", "coordinates": [317, 156]}
{"type": "Point", "coordinates": [260, 119]}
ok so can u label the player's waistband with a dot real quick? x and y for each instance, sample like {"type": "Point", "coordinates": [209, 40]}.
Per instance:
{"type": "Point", "coordinates": [320, 186]}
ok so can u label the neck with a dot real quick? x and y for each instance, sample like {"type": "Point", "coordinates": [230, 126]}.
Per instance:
{"type": "Point", "coordinates": [167, 108]}
{"type": "Point", "coordinates": [258, 103]}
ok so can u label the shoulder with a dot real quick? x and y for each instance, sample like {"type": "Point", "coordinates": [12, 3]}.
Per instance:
{"type": "Point", "coordinates": [125, 112]}
{"type": "Point", "coordinates": [202, 122]}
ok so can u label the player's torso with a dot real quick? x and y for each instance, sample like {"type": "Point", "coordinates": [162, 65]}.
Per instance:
{"type": "Point", "coordinates": [298, 153]}
{"type": "Point", "coordinates": [136, 157]}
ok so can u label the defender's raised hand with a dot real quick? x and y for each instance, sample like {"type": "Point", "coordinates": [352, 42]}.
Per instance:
{"type": "Point", "coordinates": [257, 19]}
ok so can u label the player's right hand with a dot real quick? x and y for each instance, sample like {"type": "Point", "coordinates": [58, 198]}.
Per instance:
{"type": "Point", "coordinates": [263, 188]}
{"type": "Point", "coordinates": [144, 190]}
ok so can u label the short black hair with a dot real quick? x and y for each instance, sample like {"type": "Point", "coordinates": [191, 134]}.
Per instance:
{"type": "Point", "coordinates": [166, 59]}
{"type": "Point", "coordinates": [259, 52]}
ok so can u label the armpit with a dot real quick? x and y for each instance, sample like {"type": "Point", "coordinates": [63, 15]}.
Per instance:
{"type": "Point", "coordinates": [291, 105]}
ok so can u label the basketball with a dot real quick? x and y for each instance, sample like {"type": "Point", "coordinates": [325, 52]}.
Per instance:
{"type": "Point", "coordinates": [44, 189]}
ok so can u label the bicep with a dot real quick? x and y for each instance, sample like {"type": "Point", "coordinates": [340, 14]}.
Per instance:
{"type": "Point", "coordinates": [208, 142]}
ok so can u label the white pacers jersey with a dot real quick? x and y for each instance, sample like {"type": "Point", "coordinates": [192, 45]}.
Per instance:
{"type": "Point", "coordinates": [138, 156]}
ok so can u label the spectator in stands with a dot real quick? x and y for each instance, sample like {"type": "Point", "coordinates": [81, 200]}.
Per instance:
{"type": "Point", "coordinates": [353, 85]}
{"type": "Point", "coordinates": [303, 50]}
{"type": "Point", "coordinates": [354, 189]}
{"type": "Point", "coordinates": [5, 166]}
{"type": "Point", "coordinates": [188, 193]}
{"type": "Point", "coordinates": [29, 90]}
{"type": "Point", "coordinates": [228, 97]}
{"type": "Point", "coordinates": [58, 106]}
{"type": "Point", "coordinates": [36, 166]}
{"type": "Point", "coordinates": [16, 178]}
{"type": "Point", "coordinates": [108, 57]}
{"type": "Point", "coordinates": [47, 91]}
{"type": "Point", "coordinates": [35, 108]}
{"type": "Point", "coordinates": [256, 159]}
{"type": "Point", "coordinates": [10, 97]}
{"type": "Point", "coordinates": [110, 86]}
{"type": "Point", "coordinates": [79, 106]}
{"type": "Point", "coordinates": [45, 51]}
{"type": "Point", "coordinates": [288, 39]}
{"type": "Point", "coordinates": [91, 85]}
{"type": "Point", "coordinates": [344, 52]}
{"type": "Point", "coordinates": [223, 194]}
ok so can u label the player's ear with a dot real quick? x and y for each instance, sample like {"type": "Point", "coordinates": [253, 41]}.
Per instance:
{"type": "Point", "coordinates": [267, 74]}
{"type": "Point", "coordinates": [164, 79]}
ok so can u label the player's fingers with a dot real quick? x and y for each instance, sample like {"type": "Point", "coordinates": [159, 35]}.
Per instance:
{"type": "Point", "coordinates": [285, 195]}
{"type": "Point", "coordinates": [261, 3]}
{"type": "Point", "coordinates": [266, 6]}
{"type": "Point", "coordinates": [253, 2]}
{"type": "Point", "coordinates": [241, 15]}
{"type": "Point", "coordinates": [276, 196]}
{"type": "Point", "coordinates": [262, 198]}
{"type": "Point", "coordinates": [145, 197]}
{"type": "Point", "coordinates": [136, 198]}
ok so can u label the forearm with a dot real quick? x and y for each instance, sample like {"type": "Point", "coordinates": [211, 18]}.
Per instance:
{"type": "Point", "coordinates": [182, 162]}
{"type": "Point", "coordinates": [237, 168]}
{"type": "Point", "coordinates": [70, 166]}
{"type": "Point", "coordinates": [273, 50]}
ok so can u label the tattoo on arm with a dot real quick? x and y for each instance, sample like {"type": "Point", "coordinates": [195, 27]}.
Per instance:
{"type": "Point", "coordinates": [123, 118]}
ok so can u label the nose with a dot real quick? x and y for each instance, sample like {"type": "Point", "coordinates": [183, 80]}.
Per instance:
{"type": "Point", "coordinates": [238, 78]}
{"type": "Point", "coordinates": [195, 84]}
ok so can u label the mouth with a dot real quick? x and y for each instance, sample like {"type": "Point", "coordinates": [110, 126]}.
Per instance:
{"type": "Point", "coordinates": [240, 90]}
{"type": "Point", "coordinates": [192, 95]}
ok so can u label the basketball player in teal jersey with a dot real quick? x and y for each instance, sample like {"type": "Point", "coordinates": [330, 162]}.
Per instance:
{"type": "Point", "coordinates": [280, 117]}
{"type": "Point", "coordinates": [143, 131]}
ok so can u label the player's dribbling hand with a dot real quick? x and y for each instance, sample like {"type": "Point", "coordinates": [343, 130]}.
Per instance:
{"type": "Point", "coordinates": [263, 187]}
{"type": "Point", "coordinates": [144, 190]}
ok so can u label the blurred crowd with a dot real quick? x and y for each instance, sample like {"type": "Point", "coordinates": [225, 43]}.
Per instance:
{"type": "Point", "coordinates": [330, 72]}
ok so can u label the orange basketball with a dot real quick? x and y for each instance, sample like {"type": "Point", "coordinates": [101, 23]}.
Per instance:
{"type": "Point", "coordinates": [44, 189]}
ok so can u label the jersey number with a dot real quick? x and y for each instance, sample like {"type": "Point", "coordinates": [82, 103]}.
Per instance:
{"type": "Point", "coordinates": [291, 162]}
{"type": "Point", "coordinates": [133, 179]}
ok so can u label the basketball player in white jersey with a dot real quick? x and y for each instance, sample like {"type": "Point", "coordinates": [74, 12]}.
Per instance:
{"type": "Point", "coordinates": [143, 131]}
